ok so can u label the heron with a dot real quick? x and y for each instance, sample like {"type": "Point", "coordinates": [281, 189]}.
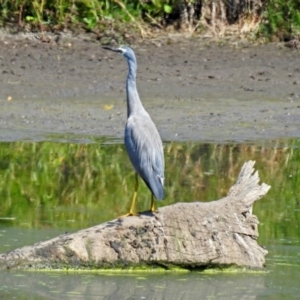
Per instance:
{"type": "Point", "coordinates": [142, 140]}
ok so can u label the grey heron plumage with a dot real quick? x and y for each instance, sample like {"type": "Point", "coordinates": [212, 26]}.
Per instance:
{"type": "Point", "coordinates": [142, 140]}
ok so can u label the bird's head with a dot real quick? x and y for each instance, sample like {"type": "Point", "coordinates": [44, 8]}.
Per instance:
{"type": "Point", "coordinates": [125, 50]}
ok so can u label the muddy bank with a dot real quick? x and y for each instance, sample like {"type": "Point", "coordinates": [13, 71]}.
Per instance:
{"type": "Point", "coordinates": [194, 90]}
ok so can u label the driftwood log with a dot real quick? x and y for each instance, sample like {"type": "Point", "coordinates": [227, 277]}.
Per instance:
{"type": "Point", "coordinates": [217, 234]}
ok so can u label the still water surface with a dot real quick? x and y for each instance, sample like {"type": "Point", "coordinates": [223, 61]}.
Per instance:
{"type": "Point", "coordinates": [49, 188]}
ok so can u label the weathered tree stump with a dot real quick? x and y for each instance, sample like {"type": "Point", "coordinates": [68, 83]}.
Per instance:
{"type": "Point", "coordinates": [186, 235]}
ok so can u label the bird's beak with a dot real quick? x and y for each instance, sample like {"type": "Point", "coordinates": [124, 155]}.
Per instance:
{"type": "Point", "coordinates": [112, 49]}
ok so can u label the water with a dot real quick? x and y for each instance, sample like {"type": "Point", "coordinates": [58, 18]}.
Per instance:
{"type": "Point", "coordinates": [50, 188]}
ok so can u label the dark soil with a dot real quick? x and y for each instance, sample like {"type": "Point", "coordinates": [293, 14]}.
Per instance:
{"type": "Point", "coordinates": [193, 89]}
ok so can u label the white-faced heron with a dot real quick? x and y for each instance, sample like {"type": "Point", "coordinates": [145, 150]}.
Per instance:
{"type": "Point", "coordinates": [142, 140]}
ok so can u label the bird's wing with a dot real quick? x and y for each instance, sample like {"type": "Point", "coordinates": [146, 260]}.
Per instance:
{"type": "Point", "coordinates": [145, 150]}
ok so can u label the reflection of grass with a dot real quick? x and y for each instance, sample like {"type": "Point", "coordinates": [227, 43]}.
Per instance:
{"type": "Point", "coordinates": [43, 176]}
{"type": "Point", "coordinates": [78, 185]}
{"type": "Point", "coordinates": [279, 213]}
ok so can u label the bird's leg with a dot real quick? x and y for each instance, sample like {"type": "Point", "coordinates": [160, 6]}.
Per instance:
{"type": "Point", "coordinates": [152, 209]}
{"type": "Point", "coordinates": [131, 213]}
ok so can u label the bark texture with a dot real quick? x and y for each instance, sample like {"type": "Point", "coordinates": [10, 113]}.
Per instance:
{"type": "Point", "coordinates": [187, 235]}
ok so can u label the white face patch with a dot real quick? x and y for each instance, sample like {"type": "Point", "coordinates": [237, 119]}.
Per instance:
{"type": "Point", "coordinates": [123, 50]}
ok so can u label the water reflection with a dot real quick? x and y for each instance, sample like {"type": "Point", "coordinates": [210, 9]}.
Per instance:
{"type": "Point", "coordinates": [75, 185]}
{"type": "Point", "coordinates": [49, 188]}
{"type": "Point", "coordinates": [57, 184]}
{"type": "Point", "coordinates": [135, 286]}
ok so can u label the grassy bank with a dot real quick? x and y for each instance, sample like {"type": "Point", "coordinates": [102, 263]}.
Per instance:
{"type": "Point", "coordinates": [277, 18]}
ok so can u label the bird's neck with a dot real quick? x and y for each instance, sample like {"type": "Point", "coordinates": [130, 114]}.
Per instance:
{"type": "Point", "coordinates": [134, 103]}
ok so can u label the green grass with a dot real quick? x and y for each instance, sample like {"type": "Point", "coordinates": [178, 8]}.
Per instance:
{"type": "Point", "coordinates": [59, 14]}
{"type": "Point", "coordinates": [281, 18]}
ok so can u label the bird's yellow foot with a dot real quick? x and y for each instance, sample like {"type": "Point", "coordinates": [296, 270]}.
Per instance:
{"type": "Point", "coordinates": [152, 208]}
{"type": "Point", "coordinates": [130, 214]}
{"type": "Point", "coordinates": [152, 211]}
